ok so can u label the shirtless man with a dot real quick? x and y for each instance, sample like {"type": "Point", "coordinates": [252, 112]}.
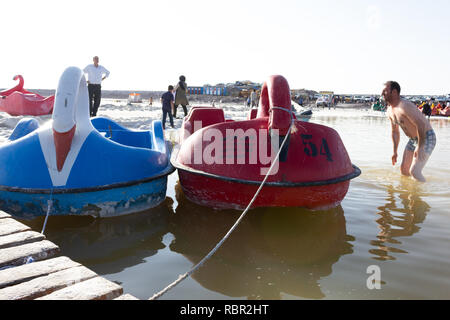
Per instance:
{"type": "Point", "coordinates": [422, 138]}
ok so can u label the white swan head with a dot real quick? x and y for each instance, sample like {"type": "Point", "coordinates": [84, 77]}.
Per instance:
{"type": "Point", "coordinates": [70, 111]}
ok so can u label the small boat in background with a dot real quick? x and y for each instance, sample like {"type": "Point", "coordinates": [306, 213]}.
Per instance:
{"type": "Point", "coordinates": [134, 98]}
{"type": "Point", "coordinates": [301, 112]}
{"type": "Point", "coordinates": [20, 102]}
{"type": "Point", "coordinates": [82, 166]}
{"type": "Point", "coordinates": [306, 113]}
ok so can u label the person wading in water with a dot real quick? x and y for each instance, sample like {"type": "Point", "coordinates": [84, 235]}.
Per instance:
{"type": "Point", "coordinates": [422, 138]}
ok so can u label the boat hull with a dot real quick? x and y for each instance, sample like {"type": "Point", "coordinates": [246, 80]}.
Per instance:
{"type": "Point", "coordinates": [222, 164]}
{"type": "Point", "coordinates": [104, 202]}
{"type": "Point", "coordinates": [223, 193]}
{"type": "Point", "coordinates": [17, 104]}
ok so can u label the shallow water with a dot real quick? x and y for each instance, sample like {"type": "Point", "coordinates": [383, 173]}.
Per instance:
{"type": "Point", "coordinates": [386, 220]}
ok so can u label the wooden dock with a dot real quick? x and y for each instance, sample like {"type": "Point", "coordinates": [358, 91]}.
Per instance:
{"type": "Point", "coordinates": [31, 268]}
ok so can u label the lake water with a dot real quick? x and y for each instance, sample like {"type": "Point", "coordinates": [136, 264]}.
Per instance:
{"type": "Point", "coordinates": [388, 221]}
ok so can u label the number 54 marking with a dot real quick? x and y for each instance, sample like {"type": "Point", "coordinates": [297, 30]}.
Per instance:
{"type": "Point", "coordinates": [310, 148]}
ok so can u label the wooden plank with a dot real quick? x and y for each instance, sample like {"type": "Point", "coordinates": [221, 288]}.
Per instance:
{"type": "Point", "coordinates": [20, 238]}
{"type": "Point", "coordinates": [126, 296]}
{"type": "Point", "coordinates": [4, 215]}
{"type": "Point", "coordinates": [18, 255]}
{"type": "Point", "coordinates": [27, 272]}
{"type": "Point", "coordinates": [42, 286]}
{"type": "Point", "coordinates": [93, 289]}
{"type": "Point", "coordinates": [9, 226]}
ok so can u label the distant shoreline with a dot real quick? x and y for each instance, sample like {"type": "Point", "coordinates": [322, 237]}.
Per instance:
{"type": "Point", "coordinates": [108, 94]}
{"type": "Point", "coordinates": [145, 95]}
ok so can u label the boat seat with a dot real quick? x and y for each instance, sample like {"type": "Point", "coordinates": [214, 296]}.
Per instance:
{"type": "Point", "coordinates": [122, 135]}
{"type": "Point", "coordinates": [207, 115]}
{"type": "Point", "coordinates": [252, 114]}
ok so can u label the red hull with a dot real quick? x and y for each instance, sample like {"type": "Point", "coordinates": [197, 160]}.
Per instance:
{"type": "Point", "coordinates": [222, 194]}
{"type": "Point", "coordinates": [221, 164]}
{"type": "Point", "coordinates": [19, 105]}
{"type": "Point", "coordinates": [19, 102]}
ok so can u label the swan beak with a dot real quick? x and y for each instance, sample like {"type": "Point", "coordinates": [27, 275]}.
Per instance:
{"type": "Point", "coordinates": [63, 142]}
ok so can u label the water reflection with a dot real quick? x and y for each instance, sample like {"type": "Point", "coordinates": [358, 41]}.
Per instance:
{"type": "Point", "coordinates": [112, 244]}
{"type": "Point", "coordinates": [440, 122]}
{"type": "Point", "coordinates": [399, 217]}
{"type": "Point", "coordinates": [272, 251]}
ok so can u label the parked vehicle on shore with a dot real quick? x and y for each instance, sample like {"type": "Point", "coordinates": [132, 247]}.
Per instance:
{"type": "Point", "coordinates": [348, 99]}
{"type": "Point", "coordinates": [358, 99]}
{"type": "Point", "coordinates": [323, 100]}
{"type": "Point", "coordinates": [368, 99]}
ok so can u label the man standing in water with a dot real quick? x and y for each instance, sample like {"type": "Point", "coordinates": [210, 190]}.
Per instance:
{"type": "Point", "coordinates": [422, 138]}
{"type": "Point", "coordinates": [96, 74]}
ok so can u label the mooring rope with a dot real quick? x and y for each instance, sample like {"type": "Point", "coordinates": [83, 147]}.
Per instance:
{"type": "Point", "coordinates": [49, 208]}
{"type": "Point", "coordinates": [219, 244]}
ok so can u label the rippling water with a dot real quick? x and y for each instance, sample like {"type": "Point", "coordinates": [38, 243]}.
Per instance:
{"type": "Point", "coordinates": [386, 220]}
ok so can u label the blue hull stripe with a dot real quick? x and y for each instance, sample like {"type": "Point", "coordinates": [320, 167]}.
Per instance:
{"type": "Point", "coordinates": [104, 203]}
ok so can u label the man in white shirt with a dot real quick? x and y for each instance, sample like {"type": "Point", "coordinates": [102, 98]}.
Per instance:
{"type": "Point", "coordinates": [96, 74]}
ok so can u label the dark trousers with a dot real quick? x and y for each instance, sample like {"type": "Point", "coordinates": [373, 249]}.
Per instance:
{"type": "Point", "coordinates": [175, 110]}
{"type": "Point", "coordinates": [95, 95]}
{"type": "Point", "coordinates": [164, 117]}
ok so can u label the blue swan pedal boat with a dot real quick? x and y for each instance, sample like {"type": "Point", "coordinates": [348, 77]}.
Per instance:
{"type": "Point", "coordinates": [84, 166]}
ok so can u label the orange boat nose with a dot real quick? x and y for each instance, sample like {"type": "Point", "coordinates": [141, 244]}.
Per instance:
{"type": "Point", "coordinates": [63, 142]}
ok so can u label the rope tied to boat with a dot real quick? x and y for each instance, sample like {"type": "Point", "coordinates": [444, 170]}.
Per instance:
{"type": "Point", "coordinates": [49, 208]}
{"type": "Point", "coordinates": [219, 244]}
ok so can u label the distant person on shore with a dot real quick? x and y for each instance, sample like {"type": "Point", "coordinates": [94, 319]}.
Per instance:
{"type": "Point", "coordinates": [377, 106]}
{"type": "Point", "coordinates": [432, 105]}
{"type": "Point", "coordinates": [167, 106]}
{"type": "Point", "coordinates": [422, 138]}
{"type": "Point", "coordinates": [253, 99]}
{"type": "Point", "coordinates": [180, 96]}
{"type": "Point", "coordinates": [426, 110]}
{"type": "Point", "coordinates": [96, 74]}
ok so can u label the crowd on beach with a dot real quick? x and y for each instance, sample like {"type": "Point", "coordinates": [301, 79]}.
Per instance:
{"type": "Point", "coordinates": [434, 108]}
{"type": "Point", "coordinates": [429, 108]}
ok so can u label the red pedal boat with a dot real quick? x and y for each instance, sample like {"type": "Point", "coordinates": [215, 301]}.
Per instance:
{"type": "Point", "coordinates": [17, 101]}
{"type": "Point", "coordinates": [221, 163]}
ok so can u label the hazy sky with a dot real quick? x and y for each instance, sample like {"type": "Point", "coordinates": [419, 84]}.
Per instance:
{"type": "Point", "coordinates": [347, 46]}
